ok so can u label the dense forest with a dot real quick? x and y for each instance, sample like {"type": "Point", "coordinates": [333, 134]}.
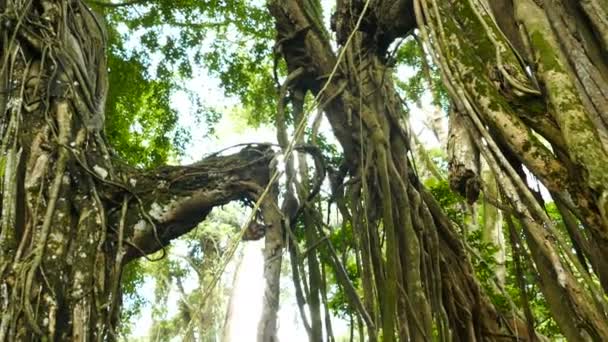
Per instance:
{"type": "Point", "coordinates": [498, 232]}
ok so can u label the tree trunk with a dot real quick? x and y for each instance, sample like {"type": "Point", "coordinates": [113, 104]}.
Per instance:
{"type": "Point", "coordinates": [72, 214]}
{"type": "Point", "coordinates": [273, 257]}
{"type": "Point", "coordinates": [463, 159]}
{"type": "Point", "coordinates": [492, 225]}
{"type": "Point", "coordinates": [531, 86]}
{"type": "Point", "coordinates": [232, 308]}
{"type": "Point", "coordinates": [424, 279]}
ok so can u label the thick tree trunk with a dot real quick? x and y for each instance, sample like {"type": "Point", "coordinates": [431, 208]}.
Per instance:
{"type": "Point", "coordinates": [424, 278]}
{"type": "Point", "coordinates": [71, 215]}
{"type": "Point", "coordinates": [531, 87]}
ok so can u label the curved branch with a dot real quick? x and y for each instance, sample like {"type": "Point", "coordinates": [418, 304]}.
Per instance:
{"type": "Point", "coordinates": [174, 199]}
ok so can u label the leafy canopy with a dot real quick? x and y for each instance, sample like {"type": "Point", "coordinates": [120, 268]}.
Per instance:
{"type": "Point", "coordinates": [154, 46]}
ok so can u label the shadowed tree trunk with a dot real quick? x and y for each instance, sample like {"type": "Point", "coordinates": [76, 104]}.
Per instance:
{"type": "Point", "coordinates": [366, 116]}
{"type": "Point", "coordinates": [72, 214]}
{"type": "Point", "coordinates": [424, 283]}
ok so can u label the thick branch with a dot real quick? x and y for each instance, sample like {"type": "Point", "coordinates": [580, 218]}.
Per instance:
{"type": "Point", "coordinates": [175, 199]}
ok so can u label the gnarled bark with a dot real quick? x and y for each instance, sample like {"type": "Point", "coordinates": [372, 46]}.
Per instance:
{"type": "Point", "coordinates": [72, 215]}
{"type": "Point", "coordinates": [534, 112]}
{"type": "Point", "coordinates": [423, 280]}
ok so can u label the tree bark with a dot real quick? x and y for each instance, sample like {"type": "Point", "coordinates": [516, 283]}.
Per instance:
{"type": "Point", "coordinates": [273, 257]}
{"type": "Point", "coordinates": [366, 117]}
{"type": "Point", "coordinates": [72, 214]}
{"type": "Point", "coordinates": [534, 109]}
{"type": "Point", "coordinates": [463, 159]}
{"type": "Point", "coordinates": [493, 225]}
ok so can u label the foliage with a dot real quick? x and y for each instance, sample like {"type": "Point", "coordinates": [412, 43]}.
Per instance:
{"type": "Point", "coordinates": [140, 119]}
{"type": "Point", "coordinates": [449, 201]}
{"type": "Point", "coordinates": [232, 40]}
{"type": "Point", "coordinates": [423, 76]}
{"type": "Point", "coordinates": [545, 324]}
{"type": "Point", "coordinates": [194, 263]}
{"type": "Point", "coordinates": [133, 301]}
{"type": "Point", "coordinates": [140, 116]}
{"type": "Point", "coordinates": [342, 238]}
{"type": "Point", "coordinates": [156, 45]}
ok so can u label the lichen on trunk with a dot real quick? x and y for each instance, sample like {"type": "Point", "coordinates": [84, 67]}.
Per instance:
{"type": "Point", "coordinates": [72, 216]}
{"type": "Point", "coordinates": [424, 285]}
{"type": "Point", "coordinates": [518, 120]}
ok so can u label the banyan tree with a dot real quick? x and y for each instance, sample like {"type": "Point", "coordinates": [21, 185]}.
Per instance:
{"type": "Point", "coordinates": [527, 96]}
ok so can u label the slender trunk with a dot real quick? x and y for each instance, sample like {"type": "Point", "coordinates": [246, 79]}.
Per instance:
{"type": "Point", "coordinates": [273, 257]}
{"type": "Point", "coordinates": [492, 225]}
{"type": "Point", "coordinates": [232, 308]}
